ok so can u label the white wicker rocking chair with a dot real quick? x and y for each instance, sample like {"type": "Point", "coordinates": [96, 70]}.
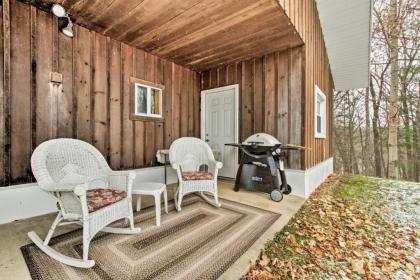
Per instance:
{"type": "Point", "coordinates": [187, 155]}
{"type": "Point", "coordinates": [65, 168]}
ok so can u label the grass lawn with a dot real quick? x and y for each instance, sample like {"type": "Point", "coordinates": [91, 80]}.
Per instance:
{"type": "Point", "coordinates": [352, 227]}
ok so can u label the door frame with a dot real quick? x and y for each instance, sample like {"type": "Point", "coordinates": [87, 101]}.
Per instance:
{"type": "Point", "coordinates": [203, 96]}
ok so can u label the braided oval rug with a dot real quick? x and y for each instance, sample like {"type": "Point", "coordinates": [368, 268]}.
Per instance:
{"type": "Point", "coordinates": [200, 242]}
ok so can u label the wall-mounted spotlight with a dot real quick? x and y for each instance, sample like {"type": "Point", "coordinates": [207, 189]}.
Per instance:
{"type": "Point", "coordinates": [60, 12]}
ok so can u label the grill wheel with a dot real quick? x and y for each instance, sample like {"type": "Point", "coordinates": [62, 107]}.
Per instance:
{"type": "Point", "coordinates": [288, 189]}
{"type": "Point", "coordinates": [276, 195]}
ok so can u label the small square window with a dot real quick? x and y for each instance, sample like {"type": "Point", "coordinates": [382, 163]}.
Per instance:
{"type": "Point", "coordinates": [156, 101]}
{"type": "Point", "coordinates": [141, 100]}
{"type": "Point", "coordinates": [319, 124]}
{"type": "Point", "coordinates": [148, 101]}
{"type": "Point", "coordinates": [320, 113]}
{"type": "Point", "coordinates": [318, 107]}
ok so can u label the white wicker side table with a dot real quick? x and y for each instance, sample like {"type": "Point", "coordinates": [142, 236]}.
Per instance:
{"type": "Point", "coordinates": [155, 189]}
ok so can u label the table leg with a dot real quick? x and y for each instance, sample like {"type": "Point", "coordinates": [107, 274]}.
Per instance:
{"type": "Point", "coordinates": [157, 206]}
{"type": "Point", "coordinates": [165, 197]}
{"type": "Point", "coordinates": [138, 206]}
{"type": "Point", "coordinates": [164, 166]}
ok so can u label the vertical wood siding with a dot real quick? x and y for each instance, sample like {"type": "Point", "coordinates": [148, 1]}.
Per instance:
{"type": "Point", "coordinates": [94, 102]}
{"type": "Point", "coordinates": [271, 96]}
{"type": "Point", "coordinates": [276, 92]}
{"type": "Point", "coordinates": [304, 16]}
{"type": "Point", "coordinates": [269, 85]}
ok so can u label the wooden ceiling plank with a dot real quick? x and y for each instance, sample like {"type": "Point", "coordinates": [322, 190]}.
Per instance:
{"type": "Point", "coordinates": [190, 21]}
{"type": "Point", "coordinates": [242, 52]}
{"type": "Point", "coordinates": [68, 4]}
{"type": "Point", "coordinates": [156, 18]}
{"type": "Point", "coordinates": [78, 7]}
{"type": "Point", "coordinates": [147, 10]}
{"type": "Point", "coordinates": [197, 33]}
{"type": "Point", "coordinates": [223, 48]}
{"type": "Point", "coordinates": [103, 15]}
{"type": "Point", "coordinates": [117, 11]}
{"type": "Point", "coordinates": [253, 29]}
{"type": "Point", "coordinates": [259, 46]}
{"type": "Point", "coordinates": [83, 12]}
{"type": "Point", "coordinates": [270, 50]}
{"type": "Point", "coordinates": [229, 21]}
{"type": "Point", "coordinates": [97, 9]}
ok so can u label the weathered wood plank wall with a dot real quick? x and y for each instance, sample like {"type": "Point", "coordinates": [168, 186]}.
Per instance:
{"type": "Point", "coordinates": [93, 101]}
{"type": "Point", "coordinates": [304, 16]}
{"type": "Point", "coordinates": [267, 102]}
{"type": "Point", "coordinates": [271, 96]}
{"type": "Point", "coordinates": [94, 96]}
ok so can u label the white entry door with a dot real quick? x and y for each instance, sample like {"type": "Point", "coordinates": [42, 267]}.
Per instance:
{"type": "Point", "coordinates": [220, 125]}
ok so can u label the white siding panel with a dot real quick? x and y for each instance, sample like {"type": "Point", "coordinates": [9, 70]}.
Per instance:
{"type": "Point", "coordinates": [346, 28]}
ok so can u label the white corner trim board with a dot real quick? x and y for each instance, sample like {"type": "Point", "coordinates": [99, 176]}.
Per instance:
{"type": "Point", "coordinates": [317, 174]}
{"type": "Point", "coordinates": [26, 201]}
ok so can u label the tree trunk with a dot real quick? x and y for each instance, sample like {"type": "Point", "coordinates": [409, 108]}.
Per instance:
{"type": "Point", "coordinates": [366, 155]}
{"type": "Point", "coordinates": [363, 168]}
{"type": "Point", "coordinates": [418, 137]}
{"type": "Point", "coordinates": [407, 160]}
{"type": "Point", "coordinates": [376, 136]}
{"type": "Point", "coordinates": [393, 117]}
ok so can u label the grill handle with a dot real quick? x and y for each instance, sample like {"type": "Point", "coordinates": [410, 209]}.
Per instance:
{"type": "Point", "coordinates": [245, 151]}
{"type": "Point", "coordinates": [252, 155]}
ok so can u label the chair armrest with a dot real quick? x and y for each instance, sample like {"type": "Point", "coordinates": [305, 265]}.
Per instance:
{"type": "Point", "coordinates": [216, 164]}
{"type": "Point", "coordinates": [80, 190]}
{"type": "Point", "coordinates": [129, 174]}
{"type": "Point", "coordinates": [214, 167]}
{"type": "Point", "coordinates": [219, 164]}
{"type": "Point", "coordinates": [61, 188]}
{"type": "Point", "coordinates": [177, 167]}
{"type": "Point", "coordinates": [122, 180]}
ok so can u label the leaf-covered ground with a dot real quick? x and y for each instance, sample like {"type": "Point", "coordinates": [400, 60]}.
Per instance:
{"type": "Point", "coordinates": [352, 227]}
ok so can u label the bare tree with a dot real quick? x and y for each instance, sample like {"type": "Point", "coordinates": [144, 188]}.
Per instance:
{"type": "Point", "coordinates": [393, 109]}
{"type": "Point", "coordinates": [385, 117]}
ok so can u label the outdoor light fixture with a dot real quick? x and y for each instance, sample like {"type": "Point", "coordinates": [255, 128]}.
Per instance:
{"type": "Point", "coordinates": [60, 12]}
{"type": "Point", "coordinates": [68, 30]}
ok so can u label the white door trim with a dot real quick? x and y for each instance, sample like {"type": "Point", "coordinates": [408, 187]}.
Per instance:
{"type": "Point", "coordinates": [203, 112]}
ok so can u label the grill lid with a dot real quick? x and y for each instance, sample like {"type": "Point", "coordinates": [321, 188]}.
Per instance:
{"type": "Point", "coordinates": [261, 139]}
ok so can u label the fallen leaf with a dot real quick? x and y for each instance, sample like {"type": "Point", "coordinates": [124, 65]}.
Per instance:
{"type": "Point", "coordinates": [358, 266]}
{"type": "Point", "coordinates": [319, 251]}
{"type": "Point", "coordinates": [291, 238]}
{"type": "Point", "coordinates": [410, 267]}
{"type": "Point", "coordinates": [264, 259]}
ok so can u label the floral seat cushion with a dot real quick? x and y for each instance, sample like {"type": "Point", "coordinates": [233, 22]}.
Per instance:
{"type": "Point", "coordinates": [100, 198]}
{"type": "Point", "coordinates": [196, 175]}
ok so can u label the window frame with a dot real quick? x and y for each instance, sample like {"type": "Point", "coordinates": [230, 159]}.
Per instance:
{"type": "Point", "coordinates": [319, 96]}
{"type": "Point", "coordinates": [134, 115]}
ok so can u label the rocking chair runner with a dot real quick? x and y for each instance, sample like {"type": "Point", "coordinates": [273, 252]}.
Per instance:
{"type": "Point", "coordinates": [66, 168]}
{"type": "Point", "coordinates": [187, 155]}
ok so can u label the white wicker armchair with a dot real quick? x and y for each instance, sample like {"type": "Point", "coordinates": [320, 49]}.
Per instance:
{"type": "Point", "coordinates": [187, 155]}
{"type": "Point", "coordinates": [66, 168]}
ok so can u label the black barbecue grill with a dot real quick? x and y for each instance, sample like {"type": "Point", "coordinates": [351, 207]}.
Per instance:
{"type": "Point", "coordinates": [262, 165]}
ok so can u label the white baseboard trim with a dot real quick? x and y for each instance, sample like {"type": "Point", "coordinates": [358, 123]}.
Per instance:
{"type": "Point", "coordinates": [304, 182]}
{"type": "Point", "coordinates": [26, 200]}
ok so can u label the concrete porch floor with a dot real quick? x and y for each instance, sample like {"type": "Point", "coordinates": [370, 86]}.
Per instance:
{"type": "Point", "coordinates": [14, 235]}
